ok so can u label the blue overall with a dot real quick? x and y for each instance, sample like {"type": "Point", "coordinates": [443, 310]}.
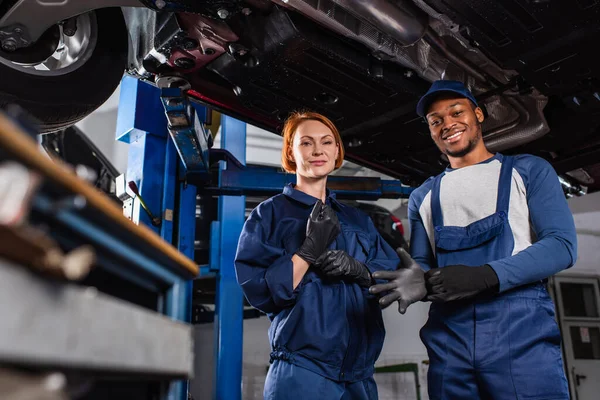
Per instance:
{"type": "Point", "coordinates": [287, 381]}
{"type": "Point", "coordinates": [326, 333]}
{"type": "Point", "coordinates": [504, 347]}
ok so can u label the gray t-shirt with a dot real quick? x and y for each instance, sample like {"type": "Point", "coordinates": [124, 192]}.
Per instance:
{"type": "Point", "coordinates": [540, 220]}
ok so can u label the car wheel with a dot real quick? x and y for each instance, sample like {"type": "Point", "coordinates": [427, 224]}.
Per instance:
{"type": "Point", "coordinates": [61, 78]}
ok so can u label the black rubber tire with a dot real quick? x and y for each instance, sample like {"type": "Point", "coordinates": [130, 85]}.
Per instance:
{"type": "Point", "coordinates": [61, 101]}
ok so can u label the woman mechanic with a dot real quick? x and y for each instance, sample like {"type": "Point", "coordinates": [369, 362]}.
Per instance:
{"type": "Point", "coordinates": [305, 259]}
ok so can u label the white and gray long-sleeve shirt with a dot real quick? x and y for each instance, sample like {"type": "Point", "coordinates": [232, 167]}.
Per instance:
{"type": "Point", "coordinates": [545, 241]}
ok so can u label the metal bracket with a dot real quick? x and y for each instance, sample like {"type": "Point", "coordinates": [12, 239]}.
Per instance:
{"type": "Point", "coordinates": [14, 37]}
{"type": "Point", "coordinates": [191, 139]}
{"type": "Point", "coordinates": [217, 155]}
{"type": "Point", "coordinates": [571, 188]}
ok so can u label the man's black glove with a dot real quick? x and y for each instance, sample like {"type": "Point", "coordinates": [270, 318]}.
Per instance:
{"type": "Point", "coordinates": [338, 264]}
{"type": "Point", "coordinates": [457, 282]}
{"type": "Point", "coordinates": [407, 283]}
{"type": "Point", "coordinates": [322, 228]}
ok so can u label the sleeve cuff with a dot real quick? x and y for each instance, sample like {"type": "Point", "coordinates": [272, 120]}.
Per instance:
{"type": "Point", "coordinates": [503, 280]}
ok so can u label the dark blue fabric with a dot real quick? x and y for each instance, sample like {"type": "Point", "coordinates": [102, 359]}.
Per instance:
{"type": "Point", "coordinates": [443, 86]}
{"type": "Point", "coordinates": [331, 327]}
{"type": "Point", "coordinates": [506, 347]}
{"type": "Point", "coordinates": [286, 381]}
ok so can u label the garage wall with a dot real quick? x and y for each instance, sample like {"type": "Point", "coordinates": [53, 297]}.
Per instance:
{"type": "Point", "coordinates": [100, 127]}
{"type": "Point", "coordinates": [586, 213]}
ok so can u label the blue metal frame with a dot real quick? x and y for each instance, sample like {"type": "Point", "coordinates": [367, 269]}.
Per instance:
{"type": "Point", "coordinates": [229, 300]}
{"type": "Point", "coordinates": [131, 261]}
{"type": "Point", "coordinates": [179, 296]}
{"type": "Point", "coordinates": [191, 139]}
{"type": "Point", "coordinates": [155, 167]}
{"type": "Point", "coordinates": [265, 181]}
{"type": "Point", "coordinates": [142, 124]}
{"type": "Point", "coordinates": [169, 188]}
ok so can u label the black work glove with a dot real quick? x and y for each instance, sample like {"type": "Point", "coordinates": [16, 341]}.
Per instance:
{"type": "Point", "coordinates": [321, 229]}
{"type": "Point", "coordinates": [457, 282]}
{"type": "Point", "coordinates": [407, 283]}
{"type": "Point", "coordinates": [339, 264]}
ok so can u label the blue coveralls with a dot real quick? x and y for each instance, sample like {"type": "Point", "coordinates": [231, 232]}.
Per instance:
{"type": "Point", "coordinates": [326, 334]}
{"type": "Point", "coordinates": [505, 347]}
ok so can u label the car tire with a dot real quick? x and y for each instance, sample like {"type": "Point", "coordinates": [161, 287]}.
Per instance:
{"type": "Point", "coordinates": [61, 100]}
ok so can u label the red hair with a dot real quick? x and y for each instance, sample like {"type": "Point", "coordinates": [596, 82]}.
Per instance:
{"type": "Point", "coordinates": [289, 130]}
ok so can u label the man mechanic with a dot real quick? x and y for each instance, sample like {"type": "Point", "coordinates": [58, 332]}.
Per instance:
{"type": "Point", "coordinates": [488, 232]}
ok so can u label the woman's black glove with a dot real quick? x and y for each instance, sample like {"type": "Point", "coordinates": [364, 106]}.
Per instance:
{"type": "Point", "coordinates": [321, 230]}
{"type": "Point", "coordinates": [339, 264]}
{"type": "Point", "coordinates": [406, 284]}
{"type": "Point", "coordinates": [457, 282]}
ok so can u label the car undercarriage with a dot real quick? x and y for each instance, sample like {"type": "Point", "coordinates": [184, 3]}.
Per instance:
{"type": "Point", "coordinates": [364, 64]}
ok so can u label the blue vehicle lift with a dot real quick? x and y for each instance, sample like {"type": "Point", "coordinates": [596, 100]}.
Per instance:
{"type": "Point", "coordinates": [154, 167]}
{"type": "Point", "coordinates": [170, 163]}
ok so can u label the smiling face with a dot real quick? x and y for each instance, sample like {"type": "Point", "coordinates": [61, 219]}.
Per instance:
{"type": "Point", "coordinates": [314, 149]}
{"type": "Point", "coordinates": [455, 126]}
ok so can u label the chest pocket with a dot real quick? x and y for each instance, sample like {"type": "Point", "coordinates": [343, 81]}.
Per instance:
{"type": "Point", "coordinates": [357, 245]}
{"type": "Point", "coordinates": [452, 238]}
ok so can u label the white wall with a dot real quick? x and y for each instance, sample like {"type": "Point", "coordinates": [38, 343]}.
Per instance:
{"type": "Point", "coordinates": [100, 127]}
{"type": "Point", "coordinates": [586, 213]}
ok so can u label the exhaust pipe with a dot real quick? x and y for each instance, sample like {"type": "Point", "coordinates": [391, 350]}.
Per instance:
{"type": "Point", "coordinates": [401, 20]}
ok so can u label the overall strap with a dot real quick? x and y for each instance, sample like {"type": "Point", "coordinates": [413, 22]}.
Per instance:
{"type": "Point", "coordinates": [436, 208]}
{"type": "Point", "coordinates": [504, 184]}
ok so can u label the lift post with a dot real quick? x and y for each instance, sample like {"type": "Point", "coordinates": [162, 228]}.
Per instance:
{"type": "Point", "coordinates": [168, 145]}
{"type": "Point", "coordinates": [154, 167]}
{"type": "Point", "coordinates": [229, 301]}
